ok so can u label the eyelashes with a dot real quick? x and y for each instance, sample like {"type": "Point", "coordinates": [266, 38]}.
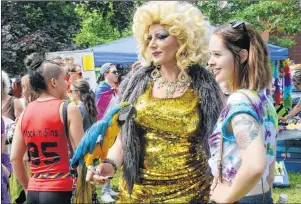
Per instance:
{"type": "Point", "coordinates": [159, 36]}
{"type": "Point", "coordinates": [163, 36]}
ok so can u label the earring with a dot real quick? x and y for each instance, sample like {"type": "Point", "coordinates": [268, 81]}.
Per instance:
{"type": "Point", "coordinates": [183, 77]}
{"type": "Point", "coordinates": [156, 73]}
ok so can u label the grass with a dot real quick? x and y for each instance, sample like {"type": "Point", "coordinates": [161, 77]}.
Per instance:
{"type": "Point", "coordinates": [114, 185]}
{"type": "Point", "coordinates": [115, 181]}
{"type": "Point", "coordinates": [293, 193]}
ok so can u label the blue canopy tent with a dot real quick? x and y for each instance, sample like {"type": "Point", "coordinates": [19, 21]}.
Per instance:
{"type": "Point", "coordinates": [277, 53]}
{"type": "Point", "coordinates": [122, 51]}
{"type": "Point", "coordinates": [125, 51]}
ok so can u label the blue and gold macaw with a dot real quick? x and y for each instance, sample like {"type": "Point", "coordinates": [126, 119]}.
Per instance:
{"type": "Point", "coordinates": [94, 147]}
{"type": "Point", "coordinates": [99, 138]}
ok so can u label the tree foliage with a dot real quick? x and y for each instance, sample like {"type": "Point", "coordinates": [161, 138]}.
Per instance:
{"type": "Point", "coordinates": [33, 26]}
{"type": "Point", "coordinates": [278, 17]}
{"type": "Point", "coordinates": [104, 21]}
{"type": "Point", "coordinates": [218, 14]}
{"type": "Point", "coordinates": [28, 27]}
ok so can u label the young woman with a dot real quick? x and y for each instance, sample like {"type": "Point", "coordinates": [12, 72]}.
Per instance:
{"type": "Point", "coordinates": [80, 91]}
{"type": "Point", "coordinates": [28, 94]}
{"type": "Point", "coordinates": [40, 130]}
{"type": "Point", "coordinates": [176, 103]}
{"type": "Point", "coordinates": [242, 145]}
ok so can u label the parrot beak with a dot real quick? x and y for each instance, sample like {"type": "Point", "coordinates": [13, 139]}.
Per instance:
{"type": "Point", "coordinates": [125, 113]}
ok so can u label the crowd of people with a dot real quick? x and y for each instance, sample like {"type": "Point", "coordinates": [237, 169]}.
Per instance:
{"type": "Point", "coordinates": [195, 135]}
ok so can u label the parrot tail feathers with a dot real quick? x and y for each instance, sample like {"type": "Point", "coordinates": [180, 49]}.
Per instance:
{"type": "Point", "coordinates": [83, 192]}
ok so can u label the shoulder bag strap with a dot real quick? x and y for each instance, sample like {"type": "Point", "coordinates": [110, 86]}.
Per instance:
{"type": "Point", "coordinates": [12, 105]}
{"type": "Point", "coordinates": [220, 161]}
{"type": "Point", "coordinates": [65, 121]}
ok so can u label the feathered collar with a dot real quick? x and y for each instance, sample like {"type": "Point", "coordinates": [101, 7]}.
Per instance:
{"type": "Point", "coordinates": [135, 84]}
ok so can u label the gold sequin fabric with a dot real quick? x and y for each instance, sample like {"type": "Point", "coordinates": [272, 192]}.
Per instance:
{"type": "Point", "coordinates": [174, 162]}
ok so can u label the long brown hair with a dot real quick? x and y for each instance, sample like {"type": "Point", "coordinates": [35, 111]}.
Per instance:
{"type": "Point", "coordinates": [87, 97]}
{"type": "Point", "coordinates": [28, 93]}
{"type": "Point", "coordinates": [255, 72]}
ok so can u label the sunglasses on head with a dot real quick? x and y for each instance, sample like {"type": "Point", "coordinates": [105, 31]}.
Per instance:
{"type": "Point", "coordinates": [236, 24]}
{"type": "Point", "coordinates": [245, 42]}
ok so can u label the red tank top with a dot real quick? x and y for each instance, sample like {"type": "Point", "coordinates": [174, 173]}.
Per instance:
{"type": "Point", "coordinates": [44, 135]}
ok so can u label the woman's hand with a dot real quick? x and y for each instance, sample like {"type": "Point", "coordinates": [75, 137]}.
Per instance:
{"type": "Point", "coordinates": [102, 174]}
{"type": "Point", "coordinates": [220, 193]}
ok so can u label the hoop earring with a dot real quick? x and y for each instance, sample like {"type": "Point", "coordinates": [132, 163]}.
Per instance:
{"type": "Point", "coordinates": [156, 73]}
{"type": "Point", "coordinates": [183, 77]}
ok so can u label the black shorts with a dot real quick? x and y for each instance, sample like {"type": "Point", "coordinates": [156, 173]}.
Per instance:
{"type": "Point", "coordinates": [57, 197]}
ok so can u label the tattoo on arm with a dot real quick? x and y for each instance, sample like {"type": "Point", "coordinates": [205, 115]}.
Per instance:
{"type": "Point", "coordinates": [245, 129]}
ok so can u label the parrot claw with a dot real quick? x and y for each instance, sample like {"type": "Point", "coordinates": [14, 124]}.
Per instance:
{"type": "Point", "coordinates": [98, 139]}
{"type": "Point", "coordinates": [92, 169]}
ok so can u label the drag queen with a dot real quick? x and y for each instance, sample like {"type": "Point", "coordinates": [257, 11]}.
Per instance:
{"type": "Point", "coordinates": [176, 102]}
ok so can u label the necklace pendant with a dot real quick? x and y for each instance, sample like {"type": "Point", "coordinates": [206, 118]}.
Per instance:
{"type": "Point", "coordinates": [170, 89]}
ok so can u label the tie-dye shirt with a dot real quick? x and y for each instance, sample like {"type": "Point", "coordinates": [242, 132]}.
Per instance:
{"type": "Point", "coordinates": [262, 109]}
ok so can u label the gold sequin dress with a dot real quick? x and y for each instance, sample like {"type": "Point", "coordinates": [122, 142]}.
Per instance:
{"type": "Point", "coordinates": [174, 162]}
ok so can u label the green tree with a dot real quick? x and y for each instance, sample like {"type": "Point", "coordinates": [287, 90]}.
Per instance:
{"type": "Point", "coordinates": [104, 21]}
{"type": "Point", "coordinates": [28, 27]}
{"type": "Point", "coordinates": [278, 17]}
{"type": "Point", "coordinates": [218, 13]}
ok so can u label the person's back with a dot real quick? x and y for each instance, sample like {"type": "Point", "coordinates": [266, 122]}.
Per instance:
{"type": "Point", "coordinates": [87, 121]}
{"type": "Point", "coordinates": [47, 143]}
{"type": "Point", "coordinates": [40, 131]}
{"type": "Point", "coordinates": [8, 108]}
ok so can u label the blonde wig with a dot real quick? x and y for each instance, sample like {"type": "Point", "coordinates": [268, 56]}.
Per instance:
{"type": "Point", "coordinates": [180, 19]}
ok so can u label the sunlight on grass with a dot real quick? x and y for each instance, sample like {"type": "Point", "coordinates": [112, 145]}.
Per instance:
{"type": "Point", "coordinates": [294, 194]}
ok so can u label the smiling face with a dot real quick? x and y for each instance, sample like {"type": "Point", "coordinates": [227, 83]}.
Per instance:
{"type": "Point", "coordinates": [221, 60]}
{"type": "Point", "coordinates": [162, 46]}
